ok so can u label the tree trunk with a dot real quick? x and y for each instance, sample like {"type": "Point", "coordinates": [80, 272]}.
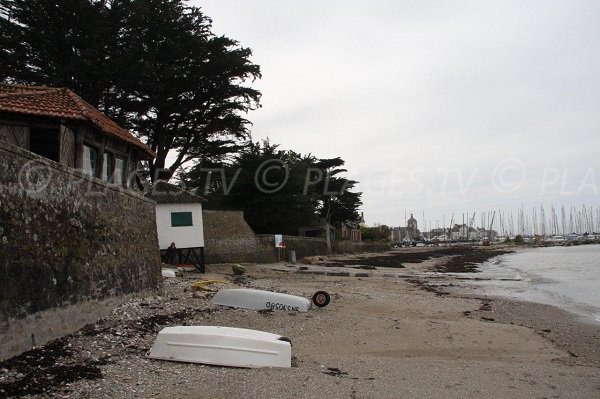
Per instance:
{"type": "Point", "coordinates": [328, 238]}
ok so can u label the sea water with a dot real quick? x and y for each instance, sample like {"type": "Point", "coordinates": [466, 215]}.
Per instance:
{"type": "Point", "coordinates": [566, 277]}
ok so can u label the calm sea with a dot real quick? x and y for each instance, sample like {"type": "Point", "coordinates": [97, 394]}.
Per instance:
{"type": "Point", "coordinates": [567, 277]}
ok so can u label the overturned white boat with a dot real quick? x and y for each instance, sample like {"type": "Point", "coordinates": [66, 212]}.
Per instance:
{"type": "Point", "coordinates": [261, 300]}
{"type": "Point", "coordinates": [223, 346]}
{"type": "Point", "coordinates": [169, 273]}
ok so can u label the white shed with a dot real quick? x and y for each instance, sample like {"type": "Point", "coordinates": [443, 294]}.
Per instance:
{"type": "Point", "coordinates": [179, 220]}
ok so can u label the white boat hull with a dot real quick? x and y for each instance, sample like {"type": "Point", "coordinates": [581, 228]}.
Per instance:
{"type": "Point", "coordinates": [261, 300]}
{"type": "Point", "coordinates": [168, 273]}
{"type": "Point", "coordinates": [223, 346]}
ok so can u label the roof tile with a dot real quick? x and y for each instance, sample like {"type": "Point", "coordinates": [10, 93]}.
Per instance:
{"type": "Point", "coordinates": [62, 103]}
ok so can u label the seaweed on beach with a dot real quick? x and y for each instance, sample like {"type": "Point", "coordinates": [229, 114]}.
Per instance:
{"type": "Point", "coordinates": [146, 325]}
{"type": "Point", "coordinates": [462, 259]}
{"type": "Point", "coordinates": [42, 369]}
{"type": "Point", "coordinates": [429, 287]}
{"type": "Point", "coordinates": [467, 260]}
{"type": "Point", "coordinates": [54, 365]}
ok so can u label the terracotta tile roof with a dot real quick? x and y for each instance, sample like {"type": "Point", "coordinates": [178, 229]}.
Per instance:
{"type": "Point", "coordinates": [62, 103]}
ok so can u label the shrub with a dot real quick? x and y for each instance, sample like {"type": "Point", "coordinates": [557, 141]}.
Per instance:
{"type": "Point", "coordinates": [519, 239]}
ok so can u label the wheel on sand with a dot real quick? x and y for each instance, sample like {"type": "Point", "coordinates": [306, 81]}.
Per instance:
{"type": "Point", "coordinates": [321, 298]}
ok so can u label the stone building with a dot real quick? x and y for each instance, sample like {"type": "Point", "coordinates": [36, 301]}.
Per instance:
{"type": "Point", "coordinates": [58, 125]}
{"type": "Point", "coordinates": [75, 240]}
{"type": "Point", "coordinates": [411, 226]}
{"type": "Point", "coordinates": [350, 231]}
{"type": "Point", "coordinates": [407, 234]}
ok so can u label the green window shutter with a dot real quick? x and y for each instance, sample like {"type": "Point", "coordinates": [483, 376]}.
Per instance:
{"type": "Point", "coordinates": [179, 219]}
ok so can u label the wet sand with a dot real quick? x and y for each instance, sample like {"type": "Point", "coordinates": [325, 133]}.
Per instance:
{"type": "Point", "coordinates": [381, 337]}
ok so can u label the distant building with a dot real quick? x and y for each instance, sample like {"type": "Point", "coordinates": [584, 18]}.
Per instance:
{"type": "Point", "coordinates": [361, 221]}
{"type": "Point", "coordinates": [397, 234]}
{"type": "Point", "coordinates": [409, 233]}
{"type": "Point", "coordinates": [460, 232]}
{"type": "Point", "coordinates": [411, 225]}
{"type": "Point", "coordinates": [489, 234]}
{"type": "Point", "coordinates": [438, 234]}
{"type": "Point", "coordinates": [351, 231]}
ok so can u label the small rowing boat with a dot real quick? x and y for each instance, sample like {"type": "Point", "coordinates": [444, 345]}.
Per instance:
{"type": "Point", "coordinates": [261, 300]}
{"type": "Point", "coordinates": [223, 346]}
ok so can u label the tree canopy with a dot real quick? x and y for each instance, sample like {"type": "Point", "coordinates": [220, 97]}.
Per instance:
{"type": "Point", "coordinates": [381, 233]}
{"type": "Point", "coordinates": [152, 65]}
{"type": "Point", "coordinates": [279, 191]}
{"type": "Point", "coordinates": [156, 68]}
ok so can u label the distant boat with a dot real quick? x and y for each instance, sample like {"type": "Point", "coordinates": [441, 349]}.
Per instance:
{"type": "Point", "coordinates": [222, 346]}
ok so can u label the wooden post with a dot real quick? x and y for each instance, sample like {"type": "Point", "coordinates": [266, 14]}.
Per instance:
{"type": "Point", "coordinates": [202, 265]}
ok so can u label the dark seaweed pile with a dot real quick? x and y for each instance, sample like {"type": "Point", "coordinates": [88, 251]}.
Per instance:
{"type": "Point", "coordinates": [462, 259]}
{"type": "Point", "coordinates": [40, 369]}
{"type": "Point", "coordinates": [54, 365]}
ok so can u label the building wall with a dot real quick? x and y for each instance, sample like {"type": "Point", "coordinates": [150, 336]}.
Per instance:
{"type": "Point", "coordinates": [15, 135]}
{"type": "Point", "coordinates": [346, 247]}
{"type": "Point", "coordinates": [303, 246]}
{"type": "Point", "coordinates": [184, 236]}
{"type": "Point", "coordinates": [311, 246]}
{"type": "Point", "coordinates": [229, 239]}
{"type": "Point", "coordinates": [71, 248]}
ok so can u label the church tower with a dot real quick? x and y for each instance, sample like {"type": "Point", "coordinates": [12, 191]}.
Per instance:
{"type": "Point", "coordinates": [411, 226]}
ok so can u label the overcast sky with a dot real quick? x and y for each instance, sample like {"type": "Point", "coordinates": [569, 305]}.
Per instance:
{"type": "Point", "coordinates": [438, 107]}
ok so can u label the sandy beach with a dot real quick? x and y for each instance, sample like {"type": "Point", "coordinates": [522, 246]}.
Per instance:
{"type": "Point", "coordinates": [387, 333]}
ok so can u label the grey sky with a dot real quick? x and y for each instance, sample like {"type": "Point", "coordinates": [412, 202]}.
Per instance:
{"type": "Point", "coordinates": [436, 106]}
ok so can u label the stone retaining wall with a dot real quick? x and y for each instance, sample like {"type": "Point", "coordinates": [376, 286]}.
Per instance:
{"type": "Point", "coordinates": [311, 246]}
{"type": "Point", "coordinates": [71, 248]}
{"type": "Point", "coordinates": [352, 247]}
{"type": "Point", "coordinates": [229, 239]}
{"type": "Point", "coordinates": [304, 246]}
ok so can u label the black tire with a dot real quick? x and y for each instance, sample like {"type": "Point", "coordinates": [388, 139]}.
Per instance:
{"type": "Point", "coordinates": [321, 299]}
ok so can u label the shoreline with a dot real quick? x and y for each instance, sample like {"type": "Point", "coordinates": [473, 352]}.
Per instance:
{"type": "Point", "coordinates": [380, 337]}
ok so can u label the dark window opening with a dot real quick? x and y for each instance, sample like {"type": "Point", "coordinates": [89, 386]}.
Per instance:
{"type": "Point", "coordinates": [180, 219]}
{"type": "Point", "coordinates": [90, 160]}
{"type": "Point", "coordinates": [45, 142]}
{"type": "Point", "coordinates": [107, 167]}
{"type": "Point", "coordinates": [120, 171]}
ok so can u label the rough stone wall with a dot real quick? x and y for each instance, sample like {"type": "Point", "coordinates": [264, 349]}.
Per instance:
{"type": "Point", "coordinates": [311, 246]}
{"type": "Point", "coordinates": [229, 239]}
{"type": "Point", "coordinates": [71, 247]}
{"type": "Point", "coordinates": [346, 247]}
{"type": "Point", "coordinates": [304, 246]}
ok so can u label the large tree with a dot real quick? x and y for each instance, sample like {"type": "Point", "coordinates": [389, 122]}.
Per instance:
{"type": "Point", "coordinates": [267, 183]}
{"type": "Point", "coordinates": [188, 95]}
{"type": "Point", "coordinates": [279, 191]}
{"type": "Point", "coordinates": [54, 43]}
{"type": "Point", "coordinates": [336, 202]}
{"type": "Point", "coordinates": [153, 65]}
